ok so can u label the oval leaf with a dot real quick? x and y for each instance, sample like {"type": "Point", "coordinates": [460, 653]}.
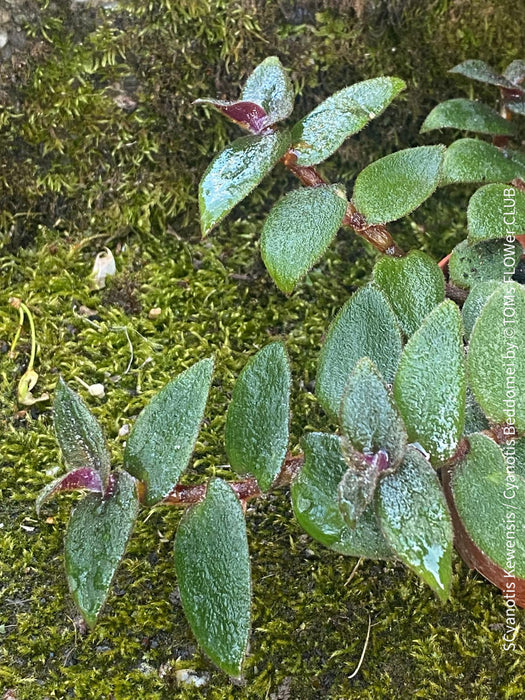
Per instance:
{"type": "Point", "coordinates": [515, 72]}
{"type": "Point", "coordinates": [430, 385]}
{"type": "Point", "coordinates": [365, 327]}
{"type": "Point", "coordinates": [79, 433]}
{"type": "Point", "coordinates": [235, 172]}
{"type": "Point", "coordinates": [270, 87]}
{"type": "Point", "coordinates": [213, 571]}
{"type": "Point", "coordinates": [416, 522]}
{"type": "Point", "coordinates": [489, 260]}
{"type": "Point", "coordinates": [369, 417]}
{"type": "Point", "coordinates": [395, 185]}
{"type": "Point", "coordinates": [163, 437]}
{"type": "Point", "coordinates": [467, 115]}
{"type": "Point", "coordinates": [476, 300]}
{"type": "Point", "coordinates": [479, 70]}
{"type": "Point", "coordinates": [494, 211]}
{"type": "Point", "coordinates": [298, 230]}
{"type": "Point", "coordinates": [256, 433]}
{"type": "Point", "coordinates": [470, 160]}
{"type": "Point", "coordinates": [346, 112]}
{"type": "Point", "coordinates": [413, 285]}
{"type": "Point", "coordinates": [315, 502]}
{"type": "Point", "coordinates": [96, 539]}
{"type": "Point", "coordinates": [496, 357]}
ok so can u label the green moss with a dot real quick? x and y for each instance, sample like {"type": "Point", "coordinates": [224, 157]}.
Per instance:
{"type": "Point", "coordinates": [80, 161]}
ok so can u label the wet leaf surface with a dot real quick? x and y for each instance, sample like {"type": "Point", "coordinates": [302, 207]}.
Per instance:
{"type": "Point", "coordinates": [270, 87]}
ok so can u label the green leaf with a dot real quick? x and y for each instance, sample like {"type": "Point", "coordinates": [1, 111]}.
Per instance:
{"type": "Point", "coordinates": [368, 415]}
{"type": "Point", "coordinates": [470, 160]}
{"type": "Point", "coordinates": [481, 71]}
{"type": "Point", "coordinates": [298, 230]}
{"type": "Point", "coordinates": [490, 260]}
{"type": "Point", "coordinates": [269, 86]}
{"type": "Point", "coordinates": [356, 490]}
{"type": "Point", "coordinates": [365, 327]}
{"type": "Point", "coordinates": [256, 433]}
{"type": "Point", "coordinates": [476, 300]}
{"type": "Point", "coordinates": [344, 113]}
{"type": "Point", "coordinates": [515, 72]}
{"type": "Point", "coordinates": [489, 210]}
{"type": "Point", "coordinates": [475, 419]}
{"type": "Point", "coordinates": [96, 539]}
{"type": "Point", "coordinates": [163, 437]}
{"type": "Point", "coordinates": [490, 503]}
{"type": "Point", "coordinates": [395, 185]}
{"type": "Point", "coordinates": [467, 115]}
{"type": "Point", "coordinates": [430, 385]}
{"type": "Point", "coordinates": [416, 522]}
{"type": "Point", "coordinates": [79, 433]}
{"type": "Point", "coordinates": [315, 502]}
{"type": "Point", "coordinates": [496, 358]}
{"type": "Point", "coordinates": [213, 571]}
{"type": "Point", "coordinates": [235, 172]}
{"type": "Point", "coordinates": [413, 285]}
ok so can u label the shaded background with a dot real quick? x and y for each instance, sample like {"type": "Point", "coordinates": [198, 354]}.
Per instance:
{"type": "Point", "coordinates": [99, 145]}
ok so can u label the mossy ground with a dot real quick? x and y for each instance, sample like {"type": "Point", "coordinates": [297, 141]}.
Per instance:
{"type": "Point", "coordinates": [101, 147]}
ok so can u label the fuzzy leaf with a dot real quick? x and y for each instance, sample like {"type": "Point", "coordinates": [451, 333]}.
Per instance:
{"type": "Point", "coordinates": [256, 433]}
{"type": "Point", "coordinates": [83, 479]}
{"type": "Point", "coordinates": [467, 115]}
{"type": "Point", "coordinates": [489, 210]}
{"type": "Point", "coordinates": [470, 160]}
{"type": "Point", "coordinates": [79, 433]}
{"type": "Point", "coordinates": [356, 489]}
{"type": "Point", "coordinates": [364, 327]}
{"type": "Point", "coordinates": [269, 86]}
{"type": "Point", "coordinates": [476, 300]}
{"type": "Point", "coordinates": [235, 172]}
{"type": "Point", "coordinates": [395, 185]}
{"type": "Point", "coordinates": [369, 417]}
{"type": "Point", "coordinates": [475, 419]}
{"type": "Point", "coordinates": [489, 260]}
{"type": "Point", "coordinates": [413, 285]}
{"type": "Point", "coordinates": [481, 71]}
{"type": "Point", "coordinates": [298, 230]}
{"type": "Point", "coordinates": [213, 571]}
{"type": "Point", "coordinates": [247, 114]}
{"type": "Point", "coordinates": [430, 385]}
{"type": "Point", "coordinates": [344, 113]}
{"type": "Point", "coordinates": [515, 72]}
{"type": "Point", "coordinates": [516, 105]}
{"type": "Point", "coordinates": [416, 522]}
{"type": "Point", "coordinates": [96, 539]}
{"type": "Point", "coordinates": [315, 502]}
{"type": "Point", "coordinates": [162, 440]}
{"type": "Point", "coordinates": [496, 358]}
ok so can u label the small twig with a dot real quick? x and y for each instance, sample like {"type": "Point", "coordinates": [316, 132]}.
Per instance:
{"type": "Point", "coordinates": [354, 674]}
{"type": "Point", "coordinates": [356, 567]}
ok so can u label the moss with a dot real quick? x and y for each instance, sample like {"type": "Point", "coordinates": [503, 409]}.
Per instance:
{"type": "Point", "coordinates": [101, 147]}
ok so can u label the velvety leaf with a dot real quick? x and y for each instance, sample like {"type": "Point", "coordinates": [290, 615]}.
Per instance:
{"type": "Point", "coordinates": [475, 419]}
{"type": "Point", "coordinates": [344, 113]}
{"type": "Point", "coordinates": [79, 433]}
{"type": "Point", "coordinates": [430, 385]}
{"type": "Point", "coordinates": [356, 490]}
{"type": "Point", "coordinates": [395, 185]}
{"type": "Point", "coordinates": [162, 440]}
{"type": "Point", "coordinates": [467, 115]}
{"type": "Point", "coordinates": [298, 230]}
{"type": "Point", "coordinates": [489, 210]}
{"type": "Point", "coordinates": [256, 434]}
{"type": "Point", "coordinates": [416, 522]}
{"type": "Point", "coordinates": [479, 70]}
{"type": "Point", "coordinates": [315, 502]}
{"type": "Point", "coordinates": [515, 72]}
{"type": "Point", "coordinates": [247, 114]}
{"type": "Point", "coordinates": [489, 260]}
{"type": "Point", "coordinates": [96, 539]}
{"type": "Point", "coordinates": [476, 300]}
{"type": "Point", "coordinates": [213, 571]}
{"type": "Point", "coordinates": [85, 478]}
{"type": "Point", "coordinates": [365, 327]}
{"type": "Point", "coordinates": [369, 417]}
{"type": "Point", "coordinates": [490, 503]}
{"type": "Point", "coordinates": [516, 105]}
{"type": "Point", "coordinates": [496, 358]}
{"type": "Point", "coordinates": [413, 285]}
{"type": "Point", "coordinates": [235, 172]}
{"type": "Point", "coordinates": [470, 160]}
{"type": "Point", "coordinates": [269, 86]}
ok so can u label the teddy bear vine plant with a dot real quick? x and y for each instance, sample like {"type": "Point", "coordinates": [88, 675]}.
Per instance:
{"type": "Point", "coordinates": [424, 389]}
